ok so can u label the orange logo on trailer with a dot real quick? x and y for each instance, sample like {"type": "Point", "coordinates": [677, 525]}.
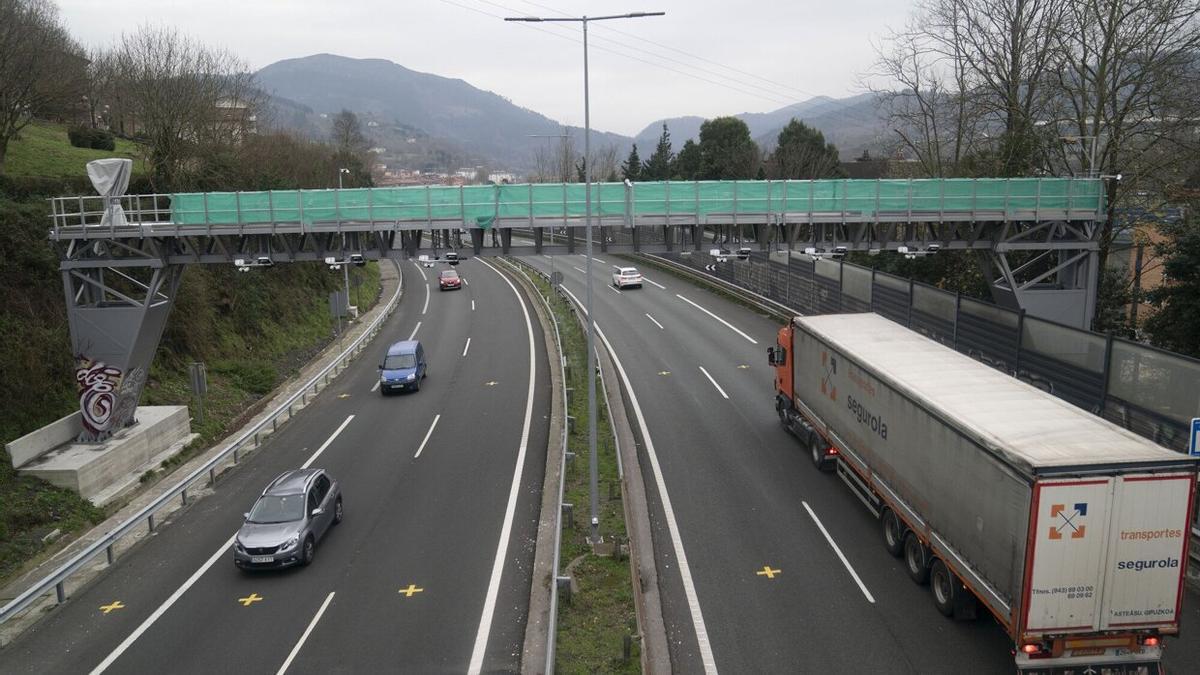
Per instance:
{"type": "Point", "coordinates": [827, 385]}
{"type": "Point", "coordinates": [1068, 521]}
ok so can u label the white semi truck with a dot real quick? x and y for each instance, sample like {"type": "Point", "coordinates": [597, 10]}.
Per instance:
{"type": "Point", "coordinates": [1071, 531]}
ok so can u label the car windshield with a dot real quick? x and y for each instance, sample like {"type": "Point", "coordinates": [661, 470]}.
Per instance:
{"type": "Point", "coordinates": [278, 509]}
{"type": "Point", "coordinates": [397, 361]}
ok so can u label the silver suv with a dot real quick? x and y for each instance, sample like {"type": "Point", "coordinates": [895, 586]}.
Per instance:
{"type": "Point", "coordinates": [290, 517]}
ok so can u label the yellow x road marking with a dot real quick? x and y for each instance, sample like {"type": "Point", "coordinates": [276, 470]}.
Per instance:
{"type": "Point", "coordinates": [767, 572]}
{"type": "Point", "coordinates": [412, 588]}
{"type": "Point", "coordinates": [115, 605]}
{"type": "Point", "coordinates": [253, 597]}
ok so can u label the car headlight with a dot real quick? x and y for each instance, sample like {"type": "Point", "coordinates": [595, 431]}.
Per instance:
{"type": "Point", "coordinates": [382, 377]}
{"type": "Point", "coordinates": [290, 543]}
{"type": "Point", "coordinates": [238, 545]}
{"type": "Point", "coordinates": [412, 377]}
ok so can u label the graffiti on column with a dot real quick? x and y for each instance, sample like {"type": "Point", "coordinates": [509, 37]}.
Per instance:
{"type": "Point", "coordinates": [127, 398]}
{"type": "Point", "coordinates": [97, 384]}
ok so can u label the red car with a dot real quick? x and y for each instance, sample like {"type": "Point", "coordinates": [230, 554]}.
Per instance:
{"type": "Point", "coordinates": [449, 279]}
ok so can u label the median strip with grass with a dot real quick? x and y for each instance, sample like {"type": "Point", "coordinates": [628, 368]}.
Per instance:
{"type": "Point", "coordinates": [598, 616]}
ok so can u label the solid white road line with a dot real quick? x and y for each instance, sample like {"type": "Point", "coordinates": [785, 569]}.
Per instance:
{"type": "Point", "coordinates": [580, 269]}
{"type": "Point", "coordinates": [415, 329]}
{"type": "Point", "coordinates": [427, 435]}
{"type": "Point", "coordinates": [221, 551]}
{"type": "Point", "coordinates": [612, 288]}
{"type": "Point", "coordinates": [598, 260]}
{"type": "Point", "coordinates": [472, 305]}
{"type": "Point", "coordinates": [656, 323]}
{"type": "Point", "coordinates": [312, 624]}
{"type": "Point", "coordinates": [418, 266]}
{"type": "Point", "coordinates": [489, 603]}
{"type": "Point", "coordinates": [324, 445]}
{"type": "Point", "coordinates": [714, 383]}
{"type": "Point", "coordinates": [727, 324]}
{"type": "Point", "coordinates": [654, 283]}
{"type": "Point", "coordinates": [468, 346]}
{"type": "Point", "coordinates": [838, 551]}
{"type": "Point", "coordinates": [426, 307]}
{"type": "Point", "coordinates": [685, 571]}
{"type": "Point", "coordinates": [375, 386]}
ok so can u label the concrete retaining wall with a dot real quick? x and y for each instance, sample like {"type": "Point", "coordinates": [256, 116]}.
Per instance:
{"type": "Point", "coordinates": [37, 443]}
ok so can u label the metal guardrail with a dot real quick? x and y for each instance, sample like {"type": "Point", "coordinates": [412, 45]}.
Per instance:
{"type": "Point", "coordinates": [562, 476]}
{"type": "Point", "coordinates": [58, 578]}
{"type": "Point", "coordinates": [776, 309]}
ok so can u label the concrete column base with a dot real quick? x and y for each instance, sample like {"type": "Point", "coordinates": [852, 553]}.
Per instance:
{"type": "Point", "coordinates": [102, 472]}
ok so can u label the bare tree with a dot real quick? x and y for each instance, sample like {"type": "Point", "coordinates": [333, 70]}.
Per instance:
{"type": "Point", "coordinates": [973, 76]}
{"type": "Point", "coordinates": [186, 99]}
{"type": "Point", "coordinates": [42, 69]}
{"type": "Point", "coordinates": [1128, 90]}
{"type": "Point", "coordinates": [932, 112]}
{"type": "Point", "coordinates": [347, 134]}
{"type": "Point", "coordinates": [606, 163]}
{"type": "Point", "coordinates": [555, 162]}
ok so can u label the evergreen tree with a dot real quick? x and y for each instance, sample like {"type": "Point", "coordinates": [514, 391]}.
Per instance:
{"type": "Point", "coordinates": [1175, 324]}
{"type": "Point", "coordinates": [658, 167]}
{"type": "Point", "coordinates": [726, 150]}
{"type": "Point", "coordinates": [802, 152]}
{"type": "Point", "coordinates": [631, 170]}
{"type": "Point", "coordinates": [687, 163]}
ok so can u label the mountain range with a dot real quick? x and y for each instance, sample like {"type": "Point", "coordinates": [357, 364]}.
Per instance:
{"type": "Point", "coordinates": [426, 121]}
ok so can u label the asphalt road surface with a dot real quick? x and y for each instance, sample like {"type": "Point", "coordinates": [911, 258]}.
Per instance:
{"type": "Point", "coordinates": [765, 589]}
{"type": "Point", "coordinates": [429, 572]}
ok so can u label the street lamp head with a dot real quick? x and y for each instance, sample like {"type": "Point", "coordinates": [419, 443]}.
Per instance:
{"type": "Point", "coordinates": [523, 18]}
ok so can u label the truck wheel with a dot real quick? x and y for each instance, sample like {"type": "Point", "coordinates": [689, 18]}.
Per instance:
{"type": "Point", "coordinates": [893, 533]}
{"type": "Point", "coordinates": [816, 449]}
{"type": "Point", "coordinates": [916, 559]}
{"type": "Point", "coordinates": [944, 587]}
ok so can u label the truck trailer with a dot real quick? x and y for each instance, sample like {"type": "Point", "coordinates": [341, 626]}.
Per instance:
{"type": "Point", "coordinates": [1070, 530]}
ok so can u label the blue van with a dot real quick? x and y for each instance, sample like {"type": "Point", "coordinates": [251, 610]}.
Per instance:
{"type": "Point", "coordinates": [403, 367]}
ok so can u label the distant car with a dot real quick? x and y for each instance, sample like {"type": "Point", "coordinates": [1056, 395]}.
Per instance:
{"type": "Point", "coordinates": [293, 513]}
{"type": "Point", "coordinates": [626, 276]}
{"type": "Point", "coordinates": [744, 253]}
{"type": "Point", "coordinates": [449, 280]}
{"type": "Point", "coordinates": [403, 367]}
{"type": "Point", "coordinates": [452, 258]}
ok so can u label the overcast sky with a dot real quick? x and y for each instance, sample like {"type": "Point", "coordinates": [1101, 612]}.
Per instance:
{"type": "Point", "coordinates": [799, 49]}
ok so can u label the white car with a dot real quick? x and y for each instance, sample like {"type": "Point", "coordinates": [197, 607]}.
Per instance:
{"type": "Point", "coordinates": [627, 276]}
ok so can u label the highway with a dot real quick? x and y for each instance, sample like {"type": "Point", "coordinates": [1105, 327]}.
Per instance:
{"type": "Point", "coordinates": [785, 570]}
{"type": "Point", "coordinates": [788, 567]}
{"type": "Point", "coordinates": [419, 577]}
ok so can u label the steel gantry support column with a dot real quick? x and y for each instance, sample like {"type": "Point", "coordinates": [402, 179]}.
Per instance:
{"type": "Point", "coordinates": [116, 318]}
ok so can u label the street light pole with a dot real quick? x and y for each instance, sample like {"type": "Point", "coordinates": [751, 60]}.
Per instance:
{"type": "Point", "coordinates": [587, 233]}
{"type": "Point", "coordinates": [345, 268]}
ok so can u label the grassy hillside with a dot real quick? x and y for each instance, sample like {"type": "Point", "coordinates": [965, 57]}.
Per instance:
{"type": "Point", "coordinates": [252, 330]}
{"type": "Point", "coordinates": [43, 150]}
